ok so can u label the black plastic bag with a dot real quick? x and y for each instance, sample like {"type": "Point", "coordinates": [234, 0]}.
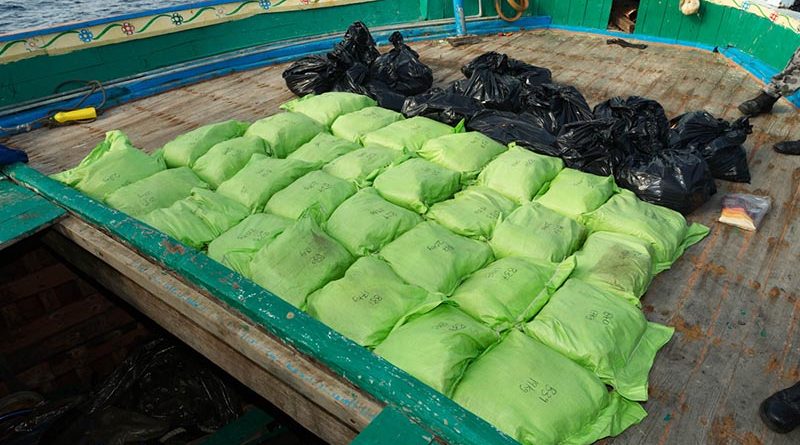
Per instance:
{"type": "Point", "coordinates": [717, 140]}
{"type": "Point", "coordinates": [591, 146]}
{"type": "Point", "coordinates": [646, 126]}
{"type": "Point", "coordinates": [357, 80]}
{"type": "Point", "coordinates": [401, 70]}
{"type": "Point", "coordinates": [677, 179]}
{"type": "Point", "coordinates": [314, 74]}
{"type": "Point", "coordinates": [493, 90]}
{"type": "Point", "coordinates": [506, 127]}
{"type": "Point", "coordinates": [502, 64]}
{"type": "Point", "coordinates": [444, 107]}
{"type": "Point", "coordinates": [358, 46]}
{"type": "Point", "coordinates": [555, 105]}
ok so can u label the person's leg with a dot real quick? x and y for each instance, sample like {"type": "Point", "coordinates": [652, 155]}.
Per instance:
{"type": "Point", "coordinates": [785, 83]}
{"type": "Point", "coordinates": [781, 411]}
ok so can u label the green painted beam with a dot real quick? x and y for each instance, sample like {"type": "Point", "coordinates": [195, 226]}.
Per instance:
{"type": "Point", "coordinates": [392, 427]}
{"type": "Point", "coordinates": [252, 428]}
{"type": "Point", "coordinates": [23, 213]}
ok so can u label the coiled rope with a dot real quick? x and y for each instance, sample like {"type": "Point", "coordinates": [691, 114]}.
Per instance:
{"type": "Point", "coordinates": [518, 6]}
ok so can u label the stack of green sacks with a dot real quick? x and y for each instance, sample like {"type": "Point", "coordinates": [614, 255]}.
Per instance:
{"type": "Point", "coordinates": [492, 274]}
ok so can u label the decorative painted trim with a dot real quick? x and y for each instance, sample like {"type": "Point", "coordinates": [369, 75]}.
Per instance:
{"type": "Point", "coordinates": [779, 16]}
{"type": "Point", "coordinates": [78, 36]}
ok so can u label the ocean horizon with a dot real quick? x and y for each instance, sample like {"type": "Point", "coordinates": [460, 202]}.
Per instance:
{"type": "Point", "coordinates": [17, 15]}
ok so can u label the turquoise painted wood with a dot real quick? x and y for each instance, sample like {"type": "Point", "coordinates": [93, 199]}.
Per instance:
{"type": "Point", "coordinates": [392, 427]}
{"type": "Point", "coordinates": [23, 213]}
{"type": "Point", "coordinates": [440, 415]}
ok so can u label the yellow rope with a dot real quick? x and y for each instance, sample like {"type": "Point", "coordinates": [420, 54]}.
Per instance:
{"type": "Point", "coordinates": [519, 7]}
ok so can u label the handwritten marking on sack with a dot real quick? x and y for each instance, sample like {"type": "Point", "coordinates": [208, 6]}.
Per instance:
{"type": "Point", "coordinates": [487, 212]}
{"type": "Point", "coordinates": [384, 213]}
{"type": "Point", "coordinates": [314, 257]}
{"type": "Point", "coordinates": [318, 186]}
{"type": "Point", "coordinates": [604, 317]}
{"type": "Point", "coordinates": [365, 296]}
{"type": "Point", "coordinates": [543, 391]}
{"type": "Point", "coordinates": [441, 245]}
{"type": "Point", "coordinates": [453, 327]}
{"type": "Point", "coordinates": [506, 274]}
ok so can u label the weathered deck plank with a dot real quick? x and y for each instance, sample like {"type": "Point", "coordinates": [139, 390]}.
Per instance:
{"type": "Point", "coordinates": [733, 298]}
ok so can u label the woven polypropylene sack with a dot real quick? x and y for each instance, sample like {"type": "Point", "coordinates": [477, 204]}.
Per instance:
{"type": "Point", "coordinates": [616, 262]}
{"type": "Point", "coordinates": [299, 261]}
{"type": "Point", "coordinates": [407, 135]}
{"type": "Point", "coordinates": [537, 232]}
{"type": "Point", "coordinates": [510, 290]}
{"type": "Point", "coordinates": [187, 148]}
{"type": "Point", "coordinates": [538, 396]}
{"type": "Point", "coordinates": [354, 126]}
{"type": "Point", "coordinates": [326, 107]}
{"type": "Point", "coordinates": [417, 184]}
{"type": "Point", "coordinates": [368, 302]}
{"type": "Point", "coordinates": [225, 159]}
{"type": "Point", "coordinates": [158, 191]}
{"type": "Point", "coordinates": [474, 212]}
{"type": "Point", "coordinates": [261, 178]}
{"type": "Point", "coordinates": [603, 333]}
{"type": "Point", "coordinates": [111, 165]}
{"type": "Point", "coordinates": [316, 189]}
{"type": "Point", "coordinates": [285, 132]}
{"type": "Point", "coordinates": [323, 148]}
{"type": "Point", "coordinates": [237, 247]}
{"type": "Point", "coordinates": [573, 193]}
{"type": "Point", "coordinates": [520, 174]}
{"type": "Point", "coordinates": [366, 222]}
{"type": "Point", "coordinates": [466, 153]}
{"type": "Point", "coordinates": [666, 230]}
{"type": "Point", "coordinates": [437, 347]}
{"type": "Point", "coordinates": [362, 166]}
{"type": "Point", "coordinates": [434, 258]}
{"type": "Point", "coordinates": [198, 219]}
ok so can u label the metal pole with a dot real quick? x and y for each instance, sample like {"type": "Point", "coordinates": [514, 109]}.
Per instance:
{"type": "Point", "coordinates": [461, 21]}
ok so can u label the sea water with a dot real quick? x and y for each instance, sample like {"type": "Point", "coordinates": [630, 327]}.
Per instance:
{"type": "Point", "coordinates": [16, 15]}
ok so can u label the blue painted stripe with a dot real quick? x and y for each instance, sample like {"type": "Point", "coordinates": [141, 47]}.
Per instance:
{"type": "Point", "coordinates": [112, 19]}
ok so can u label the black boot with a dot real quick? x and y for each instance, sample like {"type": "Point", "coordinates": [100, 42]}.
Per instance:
{"type": "Point", "coordinates": [759, 105]}
{"type": "Point", "coordinates": [788, 147]}
{"type": "Point", "coordinates": [781, 411]}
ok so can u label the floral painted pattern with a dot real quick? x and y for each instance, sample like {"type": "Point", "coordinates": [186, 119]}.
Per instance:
{"type": "Point", "coordinates": [177, 19]}
{"type": "Point", "coordinates": [265, 4]}
{"type": "Point", "coordinates": [85, 35]}
{"type": "Point", "coordinates": [128, 29]}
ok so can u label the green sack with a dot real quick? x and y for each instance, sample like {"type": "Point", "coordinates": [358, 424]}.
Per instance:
{"type": "Point", "coordinates": [573, 193]}
{"type": "Point", "coordinates": [362, 166]}
{"type": "Point", "coordinates": [226, 159]}
{"type": "Point", "coordinates": [316, 189]}
{"type": "Point", "coordinates": [416, 184]}
{"type": "Point", "coordinates": [285, 132]}
{"type": "Point", "coordinates": [323, 148]}
{"type": "Point", "coordinates": [261, 178]}
{"type": "Point", "coordinates": [474, 212]}
{"type": "Point", "coordinates": [158, 191]}
{"type": "Point", "coordinates": [602, 333]}
{"type": "Point", "coordinates": [187, 148]}
{"type": "Point", "coordinates": [520, 174]}
{"type": "Point", "coordinates": [616, 262]}
{"type": "Point", "coordinates": [434, 258]}
{"type": "Point", "coordinates": [408, 135]}
{"type": "Point", "coordinates": [198, 219]}
{"type": "Point", "coordinates": [510, 290]}
{"type": "Point", "coordinates": [368, 302]}
{"type": "Point", "coordinates": [299, 261]}
{"type": "Point", "coordinates": [466, 153]}
{"type": "Point", "coordinates": [111, 165]}
{"type": "Point", "coordinates": [537, 232]}
{"type": "Point", "coordinates": [538, 396]}
{"type": "Point", "coordinates": [353, 126]}
{"type": "Point", "coordinates": [366, 222]}
{"type": "Point", "coordinates": [666, 230]}
{"type": "Point", "coordinates": [437, 347]}
{"type": "Point", "coordinates": [325, 108]}
{"type": "Point", "coordinates": [237, 247]}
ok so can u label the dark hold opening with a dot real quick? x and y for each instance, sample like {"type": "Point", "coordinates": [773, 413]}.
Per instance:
{"type": "Point", "coordinates": [623, 15]}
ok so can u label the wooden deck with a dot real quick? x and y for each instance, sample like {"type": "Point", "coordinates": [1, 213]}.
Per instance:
{"type": "Point", "coordinates": [733, 298]}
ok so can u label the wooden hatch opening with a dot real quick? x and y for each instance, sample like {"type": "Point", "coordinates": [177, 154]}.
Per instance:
{"type": "Point", "coordinates": [623, 15]}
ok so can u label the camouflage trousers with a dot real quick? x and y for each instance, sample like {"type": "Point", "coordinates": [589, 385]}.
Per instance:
{"type": "Point", "coordinates": [787, 82]}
